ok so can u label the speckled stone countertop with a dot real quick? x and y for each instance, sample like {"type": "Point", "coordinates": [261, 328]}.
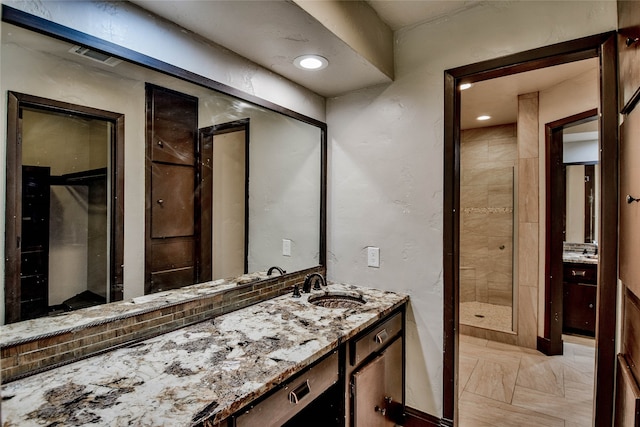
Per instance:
{"type": "Point", "coordinates": [202, 372]}
{"type": "Point", "coordinates": [579, 258]}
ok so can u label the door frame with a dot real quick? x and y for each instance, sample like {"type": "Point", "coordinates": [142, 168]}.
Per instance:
{"type": "Point", "coordinates": [207, 140]}
{"type": "Point", "coordinates": [551, 342]}
{"type": "Point", "coordinates": [603, 47]}
{"type": "Point", "coordinates": [15, 103]}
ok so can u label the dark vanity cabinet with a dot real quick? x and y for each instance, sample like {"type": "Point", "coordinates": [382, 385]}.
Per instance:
{"type": "Point", "coordinates": [579, 300]}
{"type": "Point", "coordinates": [172, 198]}
{"type": "Point", "coordinates": [375, 374]}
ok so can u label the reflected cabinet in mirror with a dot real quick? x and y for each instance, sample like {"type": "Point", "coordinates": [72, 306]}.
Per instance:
{"type": "Point", "coordinates": [123, 180]}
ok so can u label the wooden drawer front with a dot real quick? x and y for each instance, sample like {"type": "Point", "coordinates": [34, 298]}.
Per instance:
{"type": "Point", "coordinates": [172, 279]}
{"type": "Point", "coordinates": [174, 125]}
{"type": "Point", "coordinates": [171, 254]}
{"type": "Point", "coordinates": [580, 273]}
{"type": "Point", "coordinates": [172, 201]}
{"type": "Point", "coordinates": [579, 307]}
{"type": "Point", "coordinates": [376, 339]}
{"type": "Point", "coordinates": [627, 412]}
{"type": "Point", "coordinates": [292, 396]}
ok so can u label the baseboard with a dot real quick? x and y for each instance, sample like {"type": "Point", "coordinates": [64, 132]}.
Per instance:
{"type": "Point", "coordinates": [416, 418]}
{"type": "Point", "coordinates": [544, 345]}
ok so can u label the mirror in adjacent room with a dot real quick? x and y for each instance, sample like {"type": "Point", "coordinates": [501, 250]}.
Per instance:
{"type": "Point", "coordinates": [281, 173]}
{"type": "Point", "coordinates": [582, 177]}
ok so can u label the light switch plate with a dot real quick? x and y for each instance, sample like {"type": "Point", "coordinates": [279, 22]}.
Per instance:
{"type": "Point", "coordinates": [373, 257]}
{"type": "Point", "coordinates": [286, 247]}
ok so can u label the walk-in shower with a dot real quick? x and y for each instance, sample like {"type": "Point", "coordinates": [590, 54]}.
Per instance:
{"type": "Point", "coordinates": [488, 157]}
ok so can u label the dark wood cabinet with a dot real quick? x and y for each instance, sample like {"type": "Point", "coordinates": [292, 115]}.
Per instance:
{"type": "Point", "coordinates": [579, 299]}
{"type": "Point", "coordinates": [173, 202]}
{"type": "Point", "coordinates": [34, 257]}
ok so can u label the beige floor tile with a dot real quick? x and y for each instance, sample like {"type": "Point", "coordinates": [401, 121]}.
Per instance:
{"type": "Point", "coordinates": [536, 400]}
{"type": "Point", "coordinates": [541, 373]}
{"type": "Point", "coordinates": [576, 408]}
{"type": "Point", "coordinates": [479, 411]}
{"type": "Point", "coordinates": [495, 379]}
{"type": "Point", "coordinates": [466, 365]}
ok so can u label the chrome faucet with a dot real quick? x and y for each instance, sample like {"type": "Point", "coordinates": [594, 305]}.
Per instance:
{"type": "Point", "coordinates": [281, 271]}
{"type": "Point", "coordinates": [306, 287]}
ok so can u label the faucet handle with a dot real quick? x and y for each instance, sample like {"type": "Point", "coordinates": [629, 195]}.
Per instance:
{"type": "Point", "coordinates": [316, 285]}
{"type": "Point", "coordinates": [296, 291]}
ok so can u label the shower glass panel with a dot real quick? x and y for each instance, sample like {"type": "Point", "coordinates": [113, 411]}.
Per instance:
{"type": "Point", "coordinates": [488, 158]}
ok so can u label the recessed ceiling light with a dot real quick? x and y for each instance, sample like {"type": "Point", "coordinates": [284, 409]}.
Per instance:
{"type": "Point", "coordinates": [465, 86]}
{"type": "Point", "coordinates": [311, 62]}
{"type": "Point", "coordinates": [482, 118]}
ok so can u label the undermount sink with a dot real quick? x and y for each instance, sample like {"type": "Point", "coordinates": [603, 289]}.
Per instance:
{"type": "Point", "coordinates": [337, 300]}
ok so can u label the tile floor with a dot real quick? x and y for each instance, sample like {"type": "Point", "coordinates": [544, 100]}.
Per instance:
{"type": "Point", "coordinates": [503, 385]}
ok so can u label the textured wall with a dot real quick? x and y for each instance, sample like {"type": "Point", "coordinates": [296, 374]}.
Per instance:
{"type": "Point", "coordinates": [386, 161]}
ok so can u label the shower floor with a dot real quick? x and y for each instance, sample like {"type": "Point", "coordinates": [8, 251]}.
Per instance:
{"type": "Point", "coordinates": [487, 316]}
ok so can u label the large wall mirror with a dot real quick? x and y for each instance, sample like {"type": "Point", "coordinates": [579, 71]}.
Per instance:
{"type": "Point", "coordinates": [267, 188]}
{"type": "Point", "coordinates": [582, 178]}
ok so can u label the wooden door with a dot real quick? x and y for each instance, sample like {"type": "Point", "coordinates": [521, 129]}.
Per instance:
{"type": "Point", "coordinates": [173, 197]}
{"type": "Point", "coordinates": [627, 398]}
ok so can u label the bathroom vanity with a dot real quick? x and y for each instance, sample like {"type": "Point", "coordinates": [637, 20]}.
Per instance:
{"type": "Point", "coordinates": [284, 354]}
{"type": "Point", "coordinates": [580, 292]}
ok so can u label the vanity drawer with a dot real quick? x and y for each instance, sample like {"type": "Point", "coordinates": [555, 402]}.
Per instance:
{"type": "Point", "coordinates": [292, 396]}
{"type": "Point", "coordinates": [580, 273]}
{"type": "Point", "coordinates": [376, 339]}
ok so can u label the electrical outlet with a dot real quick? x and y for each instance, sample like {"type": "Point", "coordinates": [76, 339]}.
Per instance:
{"type": "Point", "coordinates": [373, 257]}
{"type": "Point", "coordinates": [286, 247]}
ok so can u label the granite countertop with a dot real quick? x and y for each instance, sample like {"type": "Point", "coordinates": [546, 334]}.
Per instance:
{"type": "Point", "coordinates": [202, 372]}
{"type": "Point", "coordinates": [579, 258]}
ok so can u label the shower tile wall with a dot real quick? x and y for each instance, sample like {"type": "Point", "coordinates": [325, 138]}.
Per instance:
{"type": "Point", "coordinates": [487, 159]}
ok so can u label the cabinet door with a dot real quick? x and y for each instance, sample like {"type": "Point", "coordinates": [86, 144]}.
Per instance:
{"type": "Point", "coordinates": [579, 311]}
{"type": "Point", "coordinates": [172, 201]}
{"type": "Point", "coordinates": [377, 389]}
{"type": "Point", "coordinates": [629, 50]}
{"type": "Point", "coordinates": [173, 126]}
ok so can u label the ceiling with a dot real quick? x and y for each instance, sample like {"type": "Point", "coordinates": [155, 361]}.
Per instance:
{"type": "Point", "coordinates": [272, 33]}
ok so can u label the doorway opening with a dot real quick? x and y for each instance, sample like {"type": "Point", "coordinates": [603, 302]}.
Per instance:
{"type": "Point", "coordinates": [64, 208]}
{"type": "Point", "coordinates": [225, 189]}
{"type": "Point", "coordinates": [601, 47]}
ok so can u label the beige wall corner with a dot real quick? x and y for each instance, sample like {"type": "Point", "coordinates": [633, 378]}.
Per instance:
{"type": "Point", "coordinates": [359, 26]}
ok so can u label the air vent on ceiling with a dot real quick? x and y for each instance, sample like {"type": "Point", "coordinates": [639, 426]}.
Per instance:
{"type": "Point", "coordinates": [95, 55]}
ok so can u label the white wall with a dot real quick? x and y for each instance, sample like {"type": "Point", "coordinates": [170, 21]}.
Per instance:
{"type": "Point", "coordinates": [386, 161]}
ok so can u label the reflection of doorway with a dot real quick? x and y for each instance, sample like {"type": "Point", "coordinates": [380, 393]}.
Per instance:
{"type": "Point", "coordinates": [560, 232]}
{"type": "Point", "coordinates": [62, 210]}
{"type": "Point", "coordinates": [225, 180]}
{"type": "Point", "coordinates": [602, 47]}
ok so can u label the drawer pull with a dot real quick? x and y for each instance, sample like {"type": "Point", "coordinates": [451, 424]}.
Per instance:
{"type": "Point", "coordinates": [578, 273]}
{"type": "Point", "coordinates": [381, 336]}
{"type": "Point", "coordinates": [590, 305]}
{"type": "Point", "coordinates": [300, 392]}
{"type": "Point", "coordinates": [160, 144]}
